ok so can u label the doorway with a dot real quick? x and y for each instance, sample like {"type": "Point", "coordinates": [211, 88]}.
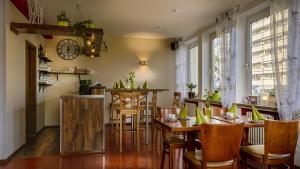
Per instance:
{"type": "Point", "coordinates": [31, 83]}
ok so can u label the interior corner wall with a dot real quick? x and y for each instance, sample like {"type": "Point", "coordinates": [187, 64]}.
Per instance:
{"type": "Point", "coordinates": [14, 82]}
{"type": "Point", "coordinates": [2, 72]}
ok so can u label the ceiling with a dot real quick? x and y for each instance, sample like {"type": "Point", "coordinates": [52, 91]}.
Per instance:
{"type": "Point", "coordinates": [142, 18]}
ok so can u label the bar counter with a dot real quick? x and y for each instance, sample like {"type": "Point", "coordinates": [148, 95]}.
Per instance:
{"type": "Point", "coordinates": [82, 124]}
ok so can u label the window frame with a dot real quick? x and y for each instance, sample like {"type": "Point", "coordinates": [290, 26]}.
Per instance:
{"type": "Point", "coordinates": [253, 18]}
{"type": "Point", "coordinates": [191, 46]}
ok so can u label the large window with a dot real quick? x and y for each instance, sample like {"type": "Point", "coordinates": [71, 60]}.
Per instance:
{"type": "Point", "coordinates": [193, 66]}
{"type": "Point", "coordinates": [262, 73]}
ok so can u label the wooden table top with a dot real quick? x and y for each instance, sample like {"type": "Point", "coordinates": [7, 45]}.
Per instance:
{"type": "Point", "coordinates": [136, 90]}
{"type": "Point", "coordinates": [189, 125]}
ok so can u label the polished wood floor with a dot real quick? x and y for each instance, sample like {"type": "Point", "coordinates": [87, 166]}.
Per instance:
{"type": "Point", "coordinates": [147, 158]}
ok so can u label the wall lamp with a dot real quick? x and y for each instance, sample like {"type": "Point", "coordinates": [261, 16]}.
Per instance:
{"type": "Point", "coordinates": [143, 63]}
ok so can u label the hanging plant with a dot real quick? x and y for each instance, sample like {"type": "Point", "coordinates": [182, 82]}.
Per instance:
{"type": "Point", "coordinates": [62, 19]}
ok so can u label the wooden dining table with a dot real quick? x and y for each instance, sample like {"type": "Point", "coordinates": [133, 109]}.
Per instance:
{"type": "Point", "coordinates": [189, 127]}
{"type": "Point", "coordinates": [147, 92]}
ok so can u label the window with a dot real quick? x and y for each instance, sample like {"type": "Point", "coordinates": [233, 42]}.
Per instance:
{"type": "Point", "coordinates": [262, 73]}
{"type": "Point", "coordinates": [215, 62]}
{"type": "Point", "coordinates": [193, 66]}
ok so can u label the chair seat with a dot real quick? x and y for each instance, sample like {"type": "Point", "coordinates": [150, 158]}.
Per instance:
{"type": "Point", "coordinates": [259, 150]}
{"type": "Point", "coordinates": [190, 155]}
{"type": "Point", "coordinates": [174, 140]}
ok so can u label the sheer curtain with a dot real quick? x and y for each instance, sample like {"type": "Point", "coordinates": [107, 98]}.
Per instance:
{"type": "Point", "coordinates": [182, 70]}
{"type": "Point", "coordinates": [226, 35]}
{"type": "Point", "coordinates": [285, 50]}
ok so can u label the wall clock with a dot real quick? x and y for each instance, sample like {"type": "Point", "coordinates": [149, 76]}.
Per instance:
{"type": "Point", "coordinates": [68, 49]}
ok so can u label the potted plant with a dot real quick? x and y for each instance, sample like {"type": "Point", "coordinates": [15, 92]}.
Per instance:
{"type": "Point", "coordinates": [89, 23]}
{"type": "Point", "coordinates": [191, 87]}
{"type": "Point", "coordinates": [62, 19]}
{"type": "Point", "coordinates": [208, 96]}
{"type": "Point", "coordinates": [216, 96]}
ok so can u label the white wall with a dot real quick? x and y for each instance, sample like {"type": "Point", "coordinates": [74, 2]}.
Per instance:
{"type": "Point", "coordinates": [14, 117]}
{"type": "Point", "coordinates": [122, 57]}
{"type": "Point", "coordinates": [2, 72]}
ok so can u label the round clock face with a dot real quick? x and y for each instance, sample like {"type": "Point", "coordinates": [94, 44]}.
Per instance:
{"type": "Point", "coordinates": [68, 49]}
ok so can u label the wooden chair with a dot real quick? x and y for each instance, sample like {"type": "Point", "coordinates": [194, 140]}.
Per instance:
{"type": "Point", "coordinates": [114, 105]}
{"type": "Point", "coordinates": [175, 104]}
{"type": "Point", "coordinates": [129, 106]}
{"type": "Point", "coordinates": [176, 99]}
{"type": "Point", "coordinates": [279, 145]}
{"type": "Point", "coordinates": [170, 142]}
{"type": "Point", "coordinates": [216, 111]}
{"type": "Point", "coordinates": [220, 147]}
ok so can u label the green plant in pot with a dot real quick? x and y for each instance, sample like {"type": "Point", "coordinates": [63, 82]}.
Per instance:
{"type": "Point", "coordinates": [89, 23]}
{"type": "Point", "coordinates": [216, 96]}
{"type": "Point", "coordinates": [62, 19]}
{"type": "Point", "coordinates": [191, 87]}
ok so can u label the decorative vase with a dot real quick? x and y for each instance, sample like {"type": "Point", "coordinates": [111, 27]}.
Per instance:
{"type": "Point", "coordinates": [63, 23]}
{"type": "Point", "coordinates": [191, 94]}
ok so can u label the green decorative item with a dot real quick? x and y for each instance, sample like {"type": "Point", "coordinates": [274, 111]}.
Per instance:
{"type": "Point", "coordinates": [256, 115]}
{"type": "Point", "coordinates": [208, 98]}
{"type": "Point", "coordinates": [209, 112]}
{"type": "Point", "coordinates": [145, 85]}
{"type": "Point", "coordinates": [216, 96]}
{"type": "Point", "coordinates": [184, 112]}
{"type": "Point", "coordinates": [62, 19]}
{"type": "Point", "coordinates": [233, 109]}
{"type": "Point", "coordinates": [115, 85]}
{"type": "Point", "coordinates": [118, 85]}
{"type": "Point", "coordinates": [122, 86]}
{"type": "Point", "coordinates": [198, 117]}
{"type": "Point", "coordinates": [191, 87]}
{"type": "Point", "coordinates": [89, 23]}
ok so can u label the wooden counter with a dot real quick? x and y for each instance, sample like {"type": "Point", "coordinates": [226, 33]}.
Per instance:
{"type": "Point", "coordinates": [82, 124]}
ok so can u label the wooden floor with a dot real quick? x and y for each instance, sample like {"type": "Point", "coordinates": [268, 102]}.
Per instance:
{"type": "Point", "coordinates": [47, 145]}
{"type": "Point", "coordinates": [147, 157]}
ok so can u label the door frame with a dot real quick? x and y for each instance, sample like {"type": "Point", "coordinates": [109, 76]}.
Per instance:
{"type": "Point", "coordinates": [30, 90]}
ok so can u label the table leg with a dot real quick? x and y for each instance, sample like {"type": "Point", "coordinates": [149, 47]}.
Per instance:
{"type": "Point", "coordinates": [191, 136]}
{"type": "Point", "coordinates": [147, 121]}
{"type": "Point", "coordinates": [245, 137]}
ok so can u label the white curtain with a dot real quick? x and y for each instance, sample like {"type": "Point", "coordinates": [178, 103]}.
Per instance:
{"type": "Point", "coordinates": [285, 50]}
{"type": "Point", "coordinates": [226, 35]}
{"type": "Point", "coordinates": [182, 70]}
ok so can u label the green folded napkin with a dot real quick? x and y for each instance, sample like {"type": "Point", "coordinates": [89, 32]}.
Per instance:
{"type": "Point", "coordinates": [115, 85]}
{"type": "Point", "coordinates": [122, 86]}
{"type": "Point", "coordinates": [233, 109]}
{"type": "Point", "coordinates": [145, 85]}
{"type": "Point", "coordinates": [200, 118]}
{"type": "Point", "coordinates": [184, 112]}
{"type": "Point", "coordinates": [256, 115]}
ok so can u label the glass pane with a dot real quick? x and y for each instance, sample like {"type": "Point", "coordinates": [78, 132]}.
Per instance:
{"type": "Point", "coordinates": [194, 66]}
{"type": "Point", "coordinates": [216, 63]}
{"type": "Point", "coordinates": [261, 59]}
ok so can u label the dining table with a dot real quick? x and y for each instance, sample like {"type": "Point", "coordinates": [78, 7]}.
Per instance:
{"type": "Point", "coordinates": [189, 126]}
{"type": "Point", "coordinates": [147, 92]}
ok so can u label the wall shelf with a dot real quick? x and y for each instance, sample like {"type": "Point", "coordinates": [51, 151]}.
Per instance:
{"type": "Point", "coordinates": [62, 73]}
{"type": "Point", "coordinates": [42, 29]}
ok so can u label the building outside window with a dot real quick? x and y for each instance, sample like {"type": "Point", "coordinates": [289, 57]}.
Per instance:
{"type": "Point", "coordinates": [261, 68]}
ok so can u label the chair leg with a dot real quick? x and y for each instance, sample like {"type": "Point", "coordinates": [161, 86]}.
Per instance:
{"type": "Point", "coordinates": [171, 158]}
{"type": "Point", "coordinates": [121, 130]}
{"type": "Point", "coordinates": [137, 132]}
{"type": "Point", "coordinates": [162, 160]}
{"type": "Point", "coordinates": [292, 164]}
{"type": "Point", "coordinates": [266, 166]}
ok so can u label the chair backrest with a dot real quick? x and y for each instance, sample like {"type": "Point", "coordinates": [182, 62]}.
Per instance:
{"type": "Point", "coordinates": [217, 111]}
{"type": "Point", "coordinates": [115, 98]}
{"type": "Point", "coordinates": [176, 99]}
{"type": "Point", "coordinates": [280, 137]}
{"type": "Point", "coordinates": [130, 100]}
{"type": "Point", "coordinates": [221, 142]}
